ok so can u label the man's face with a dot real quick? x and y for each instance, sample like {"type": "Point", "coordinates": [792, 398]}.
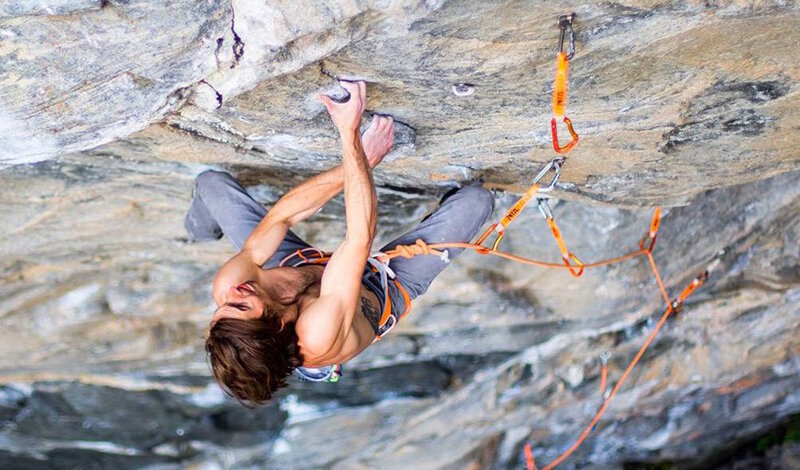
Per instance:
{"type": "Point", "coordinates": [244, 301]}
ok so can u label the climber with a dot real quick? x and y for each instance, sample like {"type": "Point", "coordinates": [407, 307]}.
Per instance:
{"type": "Point", "coordinates": [282, 305]}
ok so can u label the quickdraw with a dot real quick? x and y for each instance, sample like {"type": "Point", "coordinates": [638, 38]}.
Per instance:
{"type": "Point", "coordinates": [560, 85]}
{"type": "Point", "coordinates": [555, 166]}
{"type": "Point", "coordinates": [570, 261]}
{"type": "Point", "coordinates": [575, 269]}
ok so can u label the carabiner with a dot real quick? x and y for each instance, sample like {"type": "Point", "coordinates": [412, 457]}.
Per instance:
{"type": "Point", "coordinates": [496, 227]}
{"type": "Point", "coordinates": [567, 148]}
{"type": "Point", "coordinates": [564, 23]}
{"type": "Point", "coordinates": [605, 356]}
{"type": "Point", "coordinates": [555, 166]}
{"type": "Point", "coordinates": [544, 208]}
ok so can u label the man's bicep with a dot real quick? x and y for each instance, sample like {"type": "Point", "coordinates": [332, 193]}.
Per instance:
{"type": "Point", "coordinates": [342, 276]}
{"type": "Point", "coordinates": [321, 327]}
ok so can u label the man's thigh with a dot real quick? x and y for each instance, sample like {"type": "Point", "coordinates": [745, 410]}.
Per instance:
{"type": "Point", "coordinates": [458, 218]}
{"type": "Point", "coordinates": [220, 200]}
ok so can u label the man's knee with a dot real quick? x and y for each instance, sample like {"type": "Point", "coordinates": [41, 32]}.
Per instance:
{"type": "Point", "coordinates": [211, 182]}
{"type": "Point", "coordinates": [477, 200]}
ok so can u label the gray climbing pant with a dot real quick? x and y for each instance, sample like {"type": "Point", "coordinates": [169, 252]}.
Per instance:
{"type": "Point", "coordinates": [222, 206]}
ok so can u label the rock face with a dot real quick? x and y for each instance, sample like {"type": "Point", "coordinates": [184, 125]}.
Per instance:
{"type": "Point", "coordinates": [105, 302]}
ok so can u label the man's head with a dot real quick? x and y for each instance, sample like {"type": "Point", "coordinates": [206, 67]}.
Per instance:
{"type": "Point", "coordinates": [252, 346]}
{"type": "Point", "coordinates": [251, 358]}
{"type": "Point", "coordinates": [246, 301]}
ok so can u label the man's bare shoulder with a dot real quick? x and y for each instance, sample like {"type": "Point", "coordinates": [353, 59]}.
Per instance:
{"type": "Point", "coordinates": [318, 328]}
{"type": "Point", "coordinates": [236, 270]}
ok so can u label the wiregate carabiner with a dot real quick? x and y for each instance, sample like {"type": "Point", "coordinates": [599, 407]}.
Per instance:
{"type": "Point", "coordinates": [564, 23]}
{"type": "Point", "coordinates": [554, 165]}
{"type": "Point", "coordinates": [544, 208]}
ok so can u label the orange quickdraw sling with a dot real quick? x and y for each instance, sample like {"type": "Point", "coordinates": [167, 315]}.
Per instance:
{"type": "Point", "coordinates": [560, 86]}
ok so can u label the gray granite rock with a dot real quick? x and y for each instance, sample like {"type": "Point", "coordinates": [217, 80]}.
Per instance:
{"type": "Point", "coordinates": [104, 301]}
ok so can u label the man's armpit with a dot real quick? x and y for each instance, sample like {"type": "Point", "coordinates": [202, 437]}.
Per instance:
{"type": "Point", "coordinates": [370, 310]}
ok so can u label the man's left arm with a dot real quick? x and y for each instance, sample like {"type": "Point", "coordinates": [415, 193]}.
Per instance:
{"type": "Point", "coordinates": [303, 201]}
{"type": "Point", "coordinates": [308, 197]}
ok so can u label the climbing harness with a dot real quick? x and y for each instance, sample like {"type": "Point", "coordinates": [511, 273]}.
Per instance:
{"type": "Point", "coordinates": [570, 261]}
{"type": "Point", "coordinates": [560, 85]}
{"type": "Point", "coordinates": [388, 319]}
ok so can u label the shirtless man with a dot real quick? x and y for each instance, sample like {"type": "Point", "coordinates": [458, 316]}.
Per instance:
{"type": "Point", "coordinates": [283, 306]}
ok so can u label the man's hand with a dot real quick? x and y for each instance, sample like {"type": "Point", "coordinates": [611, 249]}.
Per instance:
{"type": "Point", "coordinates": [378, 139]}
{"type": "Point", "coordinates": [347, 116]}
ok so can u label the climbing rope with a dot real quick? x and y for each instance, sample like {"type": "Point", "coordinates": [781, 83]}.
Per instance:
{"type": "Point", "coordinates": [569, 260]}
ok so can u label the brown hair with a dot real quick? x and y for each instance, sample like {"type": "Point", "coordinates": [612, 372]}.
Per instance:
{"type": "Point", "coordinates": [252, 358]}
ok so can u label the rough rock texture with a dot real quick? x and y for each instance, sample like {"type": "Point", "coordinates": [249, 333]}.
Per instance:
{"type": "Point", "coordinates": [104, 303]}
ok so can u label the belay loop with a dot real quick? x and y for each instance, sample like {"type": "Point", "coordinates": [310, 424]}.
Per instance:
{"type": "Point", "coordinates": [560, 86]}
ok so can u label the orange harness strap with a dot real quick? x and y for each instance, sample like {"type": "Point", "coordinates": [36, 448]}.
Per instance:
{"type": "Point", "coordinates": [387, 308]}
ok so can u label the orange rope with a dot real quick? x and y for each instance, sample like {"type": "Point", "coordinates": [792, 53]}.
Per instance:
{"type": "Point", "coordinates": [695, 283]}
{"type": "Point", "coordinates": [646, 245]}
{"type": "Point", "coordinates": [422, 248]}
{"type": "Point", "coordinates": [658, 278]}
{"type": "Point", "coordinates": [529, 457]}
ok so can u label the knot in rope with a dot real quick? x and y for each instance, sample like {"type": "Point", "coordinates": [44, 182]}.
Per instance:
{"type": "Point", "coordinates": [418, 248]}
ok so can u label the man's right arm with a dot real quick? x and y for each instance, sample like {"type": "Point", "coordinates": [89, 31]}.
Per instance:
{"type": "Point", "coordinates": [331, 315]}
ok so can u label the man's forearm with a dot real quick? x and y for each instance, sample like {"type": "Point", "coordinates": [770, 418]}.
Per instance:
{"type": "Point", "coordinates": [298, 204]}
{"type": "Point", "coordinates": [308, 197]}
{"type": "Point", "coordinates": [359, 190]}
